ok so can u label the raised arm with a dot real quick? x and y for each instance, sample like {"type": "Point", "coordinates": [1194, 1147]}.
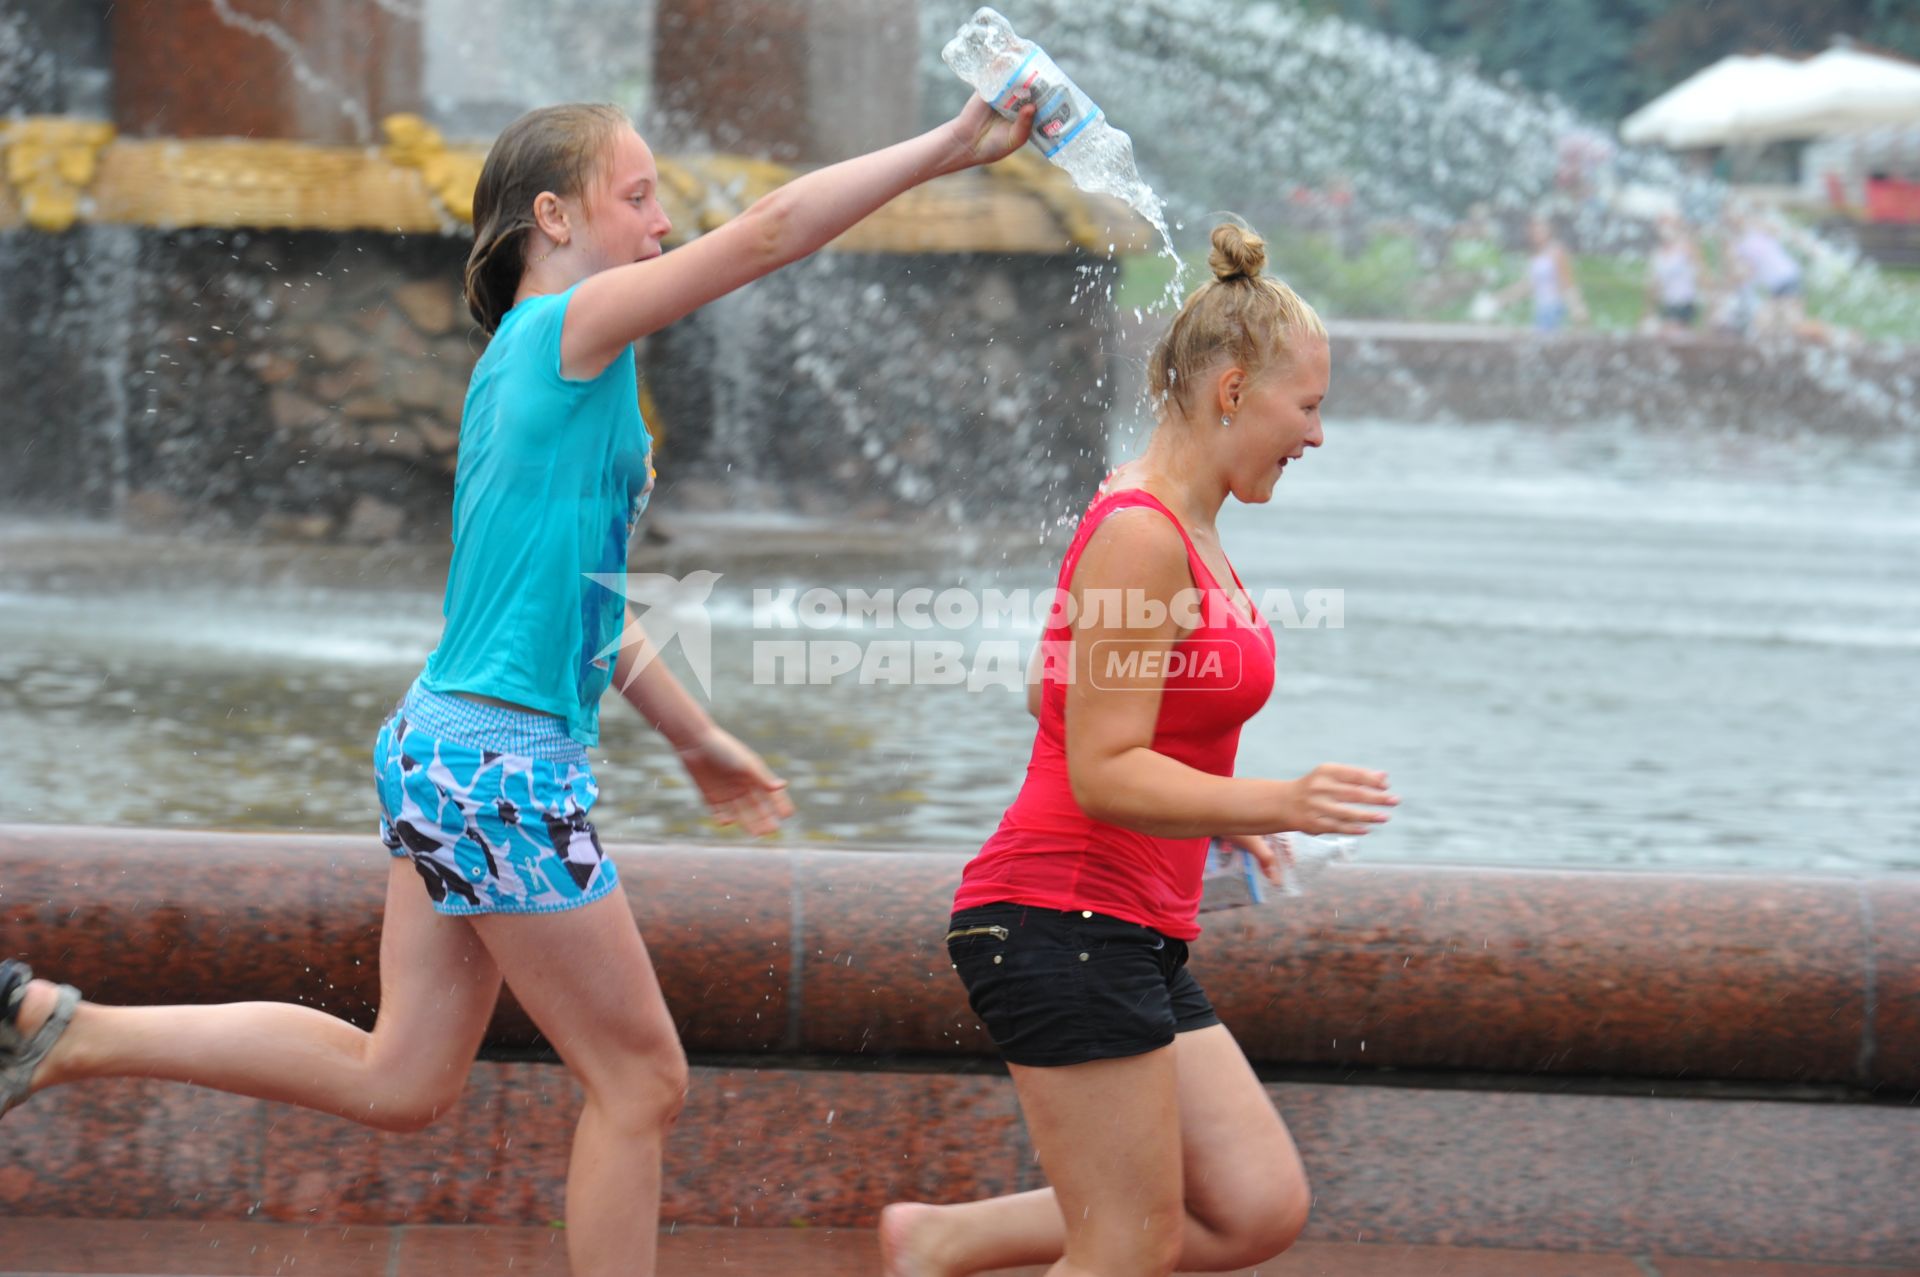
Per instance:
{"type": "Point", "coordinates": [617, 307]}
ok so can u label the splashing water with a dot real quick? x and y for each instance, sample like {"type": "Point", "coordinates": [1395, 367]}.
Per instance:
{"type": "Point", "coordinates": [1009, 73]}
{"type": "Point", "coordinates": [1255, 107]}
{"type": "Point", "coordinates": [1243, 103]}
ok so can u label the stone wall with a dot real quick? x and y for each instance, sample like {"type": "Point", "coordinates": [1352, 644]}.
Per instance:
{"type": "Point", "coordinates": [1512, 1058]}
{"type": "Point", "coordinates": [309, 384]}
{"type": "Point", "coordinates": [296, 383]}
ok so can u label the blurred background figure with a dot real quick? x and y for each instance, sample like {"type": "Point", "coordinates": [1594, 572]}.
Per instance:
{"type": "Point", "coordinates": [1674, 276]}
{"type": "Point", "coordinates": [1776, 282]}
{"type": "Point", "coordinates": [1548, 281]}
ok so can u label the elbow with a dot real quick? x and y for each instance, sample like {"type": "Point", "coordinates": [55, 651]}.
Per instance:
{"type": "Point", "coordinates": [771, 222]}
{"type": "Point", "coordinates": [1094, 799]}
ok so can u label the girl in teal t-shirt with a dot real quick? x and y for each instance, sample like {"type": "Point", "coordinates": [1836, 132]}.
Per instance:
{"type": "Point", "coordinates": [483, 777]}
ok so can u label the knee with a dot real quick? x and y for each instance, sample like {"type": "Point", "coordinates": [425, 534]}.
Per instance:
{"type": "Point", "coordinates": [670, 1080]}
{"type": "Point", "coordinates": [647, 1093]}
{"type": "Point", "coordinates": [418, 1104]}
{"type": "Point", "coordinates": [1272, 1222]}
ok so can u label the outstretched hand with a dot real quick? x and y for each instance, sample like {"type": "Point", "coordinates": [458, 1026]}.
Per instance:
{"type": "Point", "coordinates": [984, 135]}
{"type": "Point", "coordinates": [1335, 798]}
{"type": "Point", "coordinates": [740, 789]}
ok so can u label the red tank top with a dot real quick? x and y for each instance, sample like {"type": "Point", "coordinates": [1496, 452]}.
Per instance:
{"type": "Point", "coordinates": [1047, 852]}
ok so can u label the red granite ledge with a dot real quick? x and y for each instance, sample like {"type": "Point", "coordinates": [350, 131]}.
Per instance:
{"type": "Point", "coordinates": [876, 977]}
{"type": "Point", "coordinates": [1730, 977]}
{"type": "Point", "coordinates": [780, 1148]}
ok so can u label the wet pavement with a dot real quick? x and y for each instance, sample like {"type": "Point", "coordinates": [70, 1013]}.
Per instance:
{"type": "Point", "coordinates": [149, 1249]}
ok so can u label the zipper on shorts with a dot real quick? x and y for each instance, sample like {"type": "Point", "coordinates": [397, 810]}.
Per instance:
{"type": "Point", "coordinates": [961, 933]}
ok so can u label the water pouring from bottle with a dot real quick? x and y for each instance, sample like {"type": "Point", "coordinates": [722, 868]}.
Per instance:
{"type": "Point", "coordinates": [1068, 127]}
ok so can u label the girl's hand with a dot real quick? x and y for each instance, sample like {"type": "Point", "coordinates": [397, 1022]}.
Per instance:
{"type": "Point", "coordinates": [983, 135]}
{"type": "Point", "coordinates": [1324, 800]}
{"type": "Point", "coordinates": [1272, 852]}
{"type": "Point", "coordinates": [738, 786]}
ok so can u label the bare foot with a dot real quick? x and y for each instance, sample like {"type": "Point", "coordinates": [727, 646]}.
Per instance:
{"type": "Point", "coordinates": [908, 1244]}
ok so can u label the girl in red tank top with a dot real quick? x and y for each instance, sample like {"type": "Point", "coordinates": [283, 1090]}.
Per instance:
{"type": "Point", "coordinates": [1070, 927]}
{"type": "Point", "coordinates": [1048, 851]}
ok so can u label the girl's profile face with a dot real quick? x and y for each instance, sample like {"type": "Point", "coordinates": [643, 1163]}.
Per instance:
{"type": "Point", "coordinates": [624, 221]}
{"type": "Point", "coordinates": [1278, 420]}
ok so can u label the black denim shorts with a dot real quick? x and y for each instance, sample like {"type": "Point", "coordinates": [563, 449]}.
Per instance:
{"type": "Point", "coordinates": [1058, 987]}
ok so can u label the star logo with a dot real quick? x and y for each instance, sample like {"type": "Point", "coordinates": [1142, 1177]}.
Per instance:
{"type": "Point", "coordinates": [664, 608]}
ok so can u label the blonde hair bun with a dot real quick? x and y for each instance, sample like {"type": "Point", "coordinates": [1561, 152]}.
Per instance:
{"type": "Point", "coordinates": [1238, 253]}
{"type": "Point", "coordinates": [1239, 315]}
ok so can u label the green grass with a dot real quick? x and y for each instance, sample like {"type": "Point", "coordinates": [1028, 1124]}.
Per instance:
{"type": "Point", "coordinates": [1372, 284]}
{"type": "Point", "coordinates": [1886, 308]}
{"type": "Point", "coordinates": [1388, 279]}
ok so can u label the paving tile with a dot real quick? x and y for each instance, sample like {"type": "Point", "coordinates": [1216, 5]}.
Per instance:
{"type": "Point", "coordinates": [1668, 1266]}
{"type": "Point", "coordinates": [205, 1248]}
{"type": "Point", "coordinates": [432, 1251]}
{"type": "Point", "coordinates": [1334, 1259]}
{"type": "Point", "coordinates": [187, 1249]}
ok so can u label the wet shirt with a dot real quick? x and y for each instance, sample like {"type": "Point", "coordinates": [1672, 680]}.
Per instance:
{"type": "Point", "coordinates": [1050, 854]}
{"type": "Point", "coordinates": [553, 474]}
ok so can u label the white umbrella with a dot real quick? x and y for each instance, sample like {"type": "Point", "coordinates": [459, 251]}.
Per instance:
{"type": "Point", "coordinates": [1713, 106]}
{"type": "Point", "coordinates": [1838, 91]}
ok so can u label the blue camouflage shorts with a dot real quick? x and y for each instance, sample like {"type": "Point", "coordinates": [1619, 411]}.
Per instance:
{"type": "Point", "coordinates": [491, 806]}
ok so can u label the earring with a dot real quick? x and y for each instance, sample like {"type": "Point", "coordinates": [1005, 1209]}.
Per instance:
{"type": "Point", "coordinates": [1225, 420]}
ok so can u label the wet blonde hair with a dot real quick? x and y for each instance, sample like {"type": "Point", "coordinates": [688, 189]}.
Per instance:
{"type": "Point", "coordinates": [1253, 321]}
{"type": "Point", "coordinates": [555, 148]}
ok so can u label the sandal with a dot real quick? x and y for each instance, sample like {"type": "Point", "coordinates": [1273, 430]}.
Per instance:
{"type": "Point", "coordinates": [21, 1054]}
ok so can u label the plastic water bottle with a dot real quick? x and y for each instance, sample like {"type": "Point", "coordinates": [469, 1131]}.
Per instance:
{"type": "Point", "coordinates": [1311, 854]}
{"type": "Point", "coordinates": [1009, 72]}
{"type": "Point", "coordinates": [1232, 879]}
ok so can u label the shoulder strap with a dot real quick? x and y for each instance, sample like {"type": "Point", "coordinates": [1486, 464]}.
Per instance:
{"type": "Point", "coordinates": [1112, 503]}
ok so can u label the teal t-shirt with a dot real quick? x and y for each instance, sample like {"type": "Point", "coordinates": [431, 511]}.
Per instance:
{"type": "Point", "coordinates": [552, 476]}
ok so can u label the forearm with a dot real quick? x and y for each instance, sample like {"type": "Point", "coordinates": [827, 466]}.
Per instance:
{"type": "Point", "coordinates": [1147, 791]}
{"type": "Point", "coordinates": [818, 207]}
{"type": "Point", "coordinates": [655, 694]}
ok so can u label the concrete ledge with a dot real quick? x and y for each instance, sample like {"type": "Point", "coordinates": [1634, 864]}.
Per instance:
{"type": "Point", "coordinates": [835, 953]}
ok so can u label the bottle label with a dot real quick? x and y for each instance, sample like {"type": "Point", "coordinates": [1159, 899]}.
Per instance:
{"type": "Point", "coordinates": [1063, 110]}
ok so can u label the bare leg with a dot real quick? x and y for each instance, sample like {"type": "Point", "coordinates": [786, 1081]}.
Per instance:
{"type": "Point", "coordinates": [438, 987]}
{"type": "Point", "coordinates": [591, 988]}
{"type": "Point", "coordinates": [1244, 1189]}
{"type": "Point", "coordinates": [1108, 1134]}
